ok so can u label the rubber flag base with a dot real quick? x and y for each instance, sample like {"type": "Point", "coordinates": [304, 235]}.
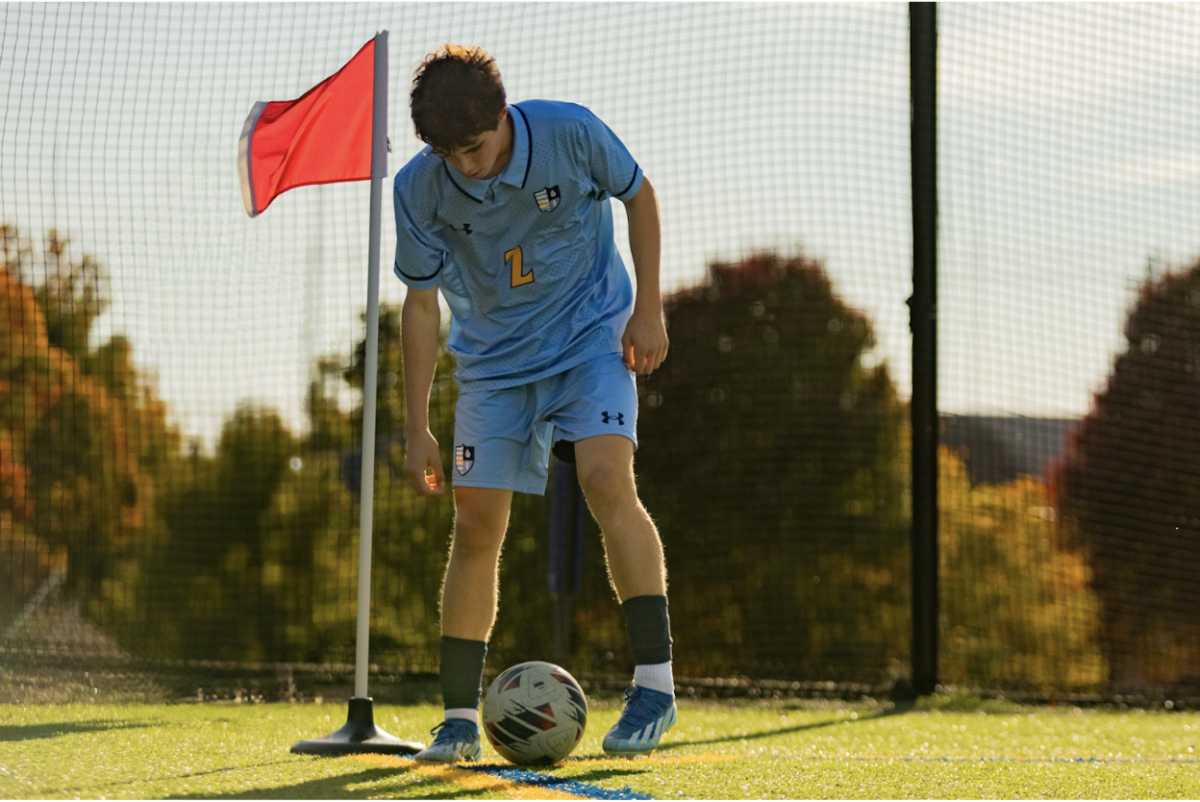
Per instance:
{"type": "Point", "coordinates": [358, 736]}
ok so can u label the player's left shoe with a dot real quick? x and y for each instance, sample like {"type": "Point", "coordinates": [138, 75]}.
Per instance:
{"type": "Point", "coordinates": [647, 716]}
{"type": "Point", "coordinates": [457, 741]}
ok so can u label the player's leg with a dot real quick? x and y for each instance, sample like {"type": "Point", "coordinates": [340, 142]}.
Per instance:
{"type": "Point", "coordinates": [600, 417]}
{"type": "Point", "coordinates": [470, 593]}
{"type": "Point", "coordinates": [492, 442]}
{"type": "Point", "coordinates": [638, 572]}
{"type": "Point", "coordinates": [635, 555]}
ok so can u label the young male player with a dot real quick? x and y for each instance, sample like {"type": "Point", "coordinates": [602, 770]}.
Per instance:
{"type": "Point", "coordinates": [507, 213]}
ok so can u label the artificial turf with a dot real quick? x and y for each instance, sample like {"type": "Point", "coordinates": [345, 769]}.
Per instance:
{"type": "Point", "coordinates": [741, 750]}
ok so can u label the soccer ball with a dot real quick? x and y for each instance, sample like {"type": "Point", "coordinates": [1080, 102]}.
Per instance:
{"type": "Point", "coordinates": [534, 713]}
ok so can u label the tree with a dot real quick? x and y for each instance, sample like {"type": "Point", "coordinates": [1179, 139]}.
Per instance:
{"type": "Point", "coordinates": [771, 458]}
{"type": "Point", "coordinates": [82, 432]}
{"type": "Point", "coordinates": [389, 385]}
{"type": "Point", "coordinates": [209, 586]}
{"type": "Point", "coordinates": [73, 295]}
{"type": "Point", "coordinates": [262, 555]}
{"type": "Point", "coordinates": [330, 429]}
{"type": "Point", "coordinates": [1015, 604]}
{"type": "Point", "coordinates": [1129, 490]}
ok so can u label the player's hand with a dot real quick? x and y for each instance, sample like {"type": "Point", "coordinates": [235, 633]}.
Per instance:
{"type": "Point", "coordinates": [423, 464]}
{"type": "Point", "coordinates": [644, 344]}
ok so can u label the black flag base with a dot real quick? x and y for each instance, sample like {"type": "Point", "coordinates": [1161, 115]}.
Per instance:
{"type": "Point", "coordinates": [358, 736]}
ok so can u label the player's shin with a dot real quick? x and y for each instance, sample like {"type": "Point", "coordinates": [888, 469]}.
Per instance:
{"type": "Point", "coordinates": [649, 628]}
{"type": "Point", "coordinates": [461, 672]}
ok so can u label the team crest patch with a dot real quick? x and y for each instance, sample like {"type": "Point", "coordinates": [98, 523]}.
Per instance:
{"type": "Point", "coordinates": [464, 459]}
{"type": "Point", "coordinates": [548, 198]}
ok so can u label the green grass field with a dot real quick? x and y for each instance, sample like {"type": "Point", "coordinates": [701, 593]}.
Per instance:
{"type": "Point", "coordinates": [944, 747]}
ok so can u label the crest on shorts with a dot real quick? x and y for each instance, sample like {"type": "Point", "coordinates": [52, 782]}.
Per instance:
{"type": "Point", "coordinates": [548, 198]}
{"type": "Point", "coordinates": [464, 459]}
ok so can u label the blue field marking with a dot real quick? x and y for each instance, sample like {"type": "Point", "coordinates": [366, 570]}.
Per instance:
{"type": "Point", "coordinates": [549, 781]}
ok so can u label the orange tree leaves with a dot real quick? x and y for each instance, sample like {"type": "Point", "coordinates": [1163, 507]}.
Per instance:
{"type": "Point", "coordinates": [80, 430]}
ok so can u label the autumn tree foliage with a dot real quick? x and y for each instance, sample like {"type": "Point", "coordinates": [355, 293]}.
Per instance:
{"type": "Point", "coordinates": [259, 561]}
{"type": "Point", "coordinates": [82, 432]}
{"type": "Point", "coordinates": [770, 455]}
{"type": "Point", "coordinates": [1015, 603]}
{"type": "Point", "coordinates": [1130, 490]}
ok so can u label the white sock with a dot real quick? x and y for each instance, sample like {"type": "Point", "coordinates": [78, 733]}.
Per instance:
{"type": "Point", "coordinates": [657, 677]}
{"type": "Point", "coordinates": [468, 713]}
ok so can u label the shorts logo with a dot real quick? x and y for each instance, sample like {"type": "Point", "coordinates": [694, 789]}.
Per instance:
{"type": "Point", "coordinates": [548, 198]}
{"type": "Point", "coordinates": [618, 417]}
{"type": "Point", "coordinates": [464, 459]}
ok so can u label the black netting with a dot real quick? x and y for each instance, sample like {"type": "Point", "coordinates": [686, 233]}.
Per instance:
{"type": "Point", "coordinates": [180, 385]}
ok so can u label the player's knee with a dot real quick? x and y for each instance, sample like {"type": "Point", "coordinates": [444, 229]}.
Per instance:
{"type": "Point", "coordinates": [478, 526]}
{"type": "Point", "coordinates": [607, 485]}
{"type": "Point", "coordinates": [474, 538]}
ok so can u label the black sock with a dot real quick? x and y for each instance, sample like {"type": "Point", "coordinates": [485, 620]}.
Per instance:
{"type": "Point", "coordinates": [461, 672]}
{"type": "Point", "coordinates": [649, 629]}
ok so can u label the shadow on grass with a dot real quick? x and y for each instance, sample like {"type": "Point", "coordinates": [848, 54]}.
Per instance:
{"type": "Point", "coordinates": [607, 774]}
{"type": "Point", "coordinates": [340, 788]}
{"type": "Point", "coordinates": [899, 708]}
{"type": "Point", "coordinates": [29, 732]}
{"type": "Point", "coordinates": [73, 791]}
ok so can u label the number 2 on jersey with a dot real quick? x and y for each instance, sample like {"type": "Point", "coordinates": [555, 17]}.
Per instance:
{"type": "Point", "coordinates": [514, 261]}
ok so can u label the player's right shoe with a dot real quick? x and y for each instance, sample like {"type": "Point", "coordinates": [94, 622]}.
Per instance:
{"type": "Point", "coordinates": [647, 716]}
{"type": "Point", "coordinates": [456, 741]}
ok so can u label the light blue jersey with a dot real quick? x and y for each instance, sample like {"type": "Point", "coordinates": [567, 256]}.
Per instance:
{"type": "Point", "coordinates": [526, 261]}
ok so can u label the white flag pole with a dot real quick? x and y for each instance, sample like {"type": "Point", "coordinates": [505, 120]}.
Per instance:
{"type": "Point", "coordinates": [360, 733]}
{"type": "Point", "coordinates": [370, 376]}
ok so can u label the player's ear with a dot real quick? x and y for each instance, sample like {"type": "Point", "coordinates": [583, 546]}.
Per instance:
{"type": "Point", "coordinates": [503, 117]}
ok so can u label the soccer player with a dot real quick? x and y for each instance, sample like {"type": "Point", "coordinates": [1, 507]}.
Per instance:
{"type": "Point", "coordinates": [507, 213]}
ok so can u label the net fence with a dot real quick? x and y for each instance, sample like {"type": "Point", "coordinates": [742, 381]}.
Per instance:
{"type": "Point", "coordinates": [1068, 324]}
{"type": "Point", "coordinates": [180, 404]}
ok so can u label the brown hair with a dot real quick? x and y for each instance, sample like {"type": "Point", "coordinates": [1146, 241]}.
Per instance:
{"type": "Point", "coordinates": [456, 95]}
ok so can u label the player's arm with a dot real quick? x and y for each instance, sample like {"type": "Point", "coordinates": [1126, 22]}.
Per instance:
{"type": "Point", "coordinates": [420, 324]}
{"type": "Point", "coordinates": [645, 341]}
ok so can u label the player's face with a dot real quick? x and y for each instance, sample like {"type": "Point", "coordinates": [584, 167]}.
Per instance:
{"type": "Point", "coordinates": [487, 155]}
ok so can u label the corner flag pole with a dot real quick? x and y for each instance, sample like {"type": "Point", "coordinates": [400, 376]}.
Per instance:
{"type": "Point", "coordinates": [370, 377]}
{"type": "Point", "coordinates": [360, 734]}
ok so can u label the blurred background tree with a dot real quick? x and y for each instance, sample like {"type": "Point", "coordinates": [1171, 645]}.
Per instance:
{"type": "Point", "coordinates": [771, 457]}
{"type": "Point", "coordinates": [209, 591]}
{"type": "Point", "coordinates": [1128, 493]}
{"type": "Point", "coordinates": [773, 453]}
{"type": "Point", "coordinates": [82, 431]}
{"type": "Point", "coordinates": [1015, 601]}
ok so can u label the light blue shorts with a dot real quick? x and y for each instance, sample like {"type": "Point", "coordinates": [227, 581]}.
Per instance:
{"type": "Point", "coordinates": [502, 438]}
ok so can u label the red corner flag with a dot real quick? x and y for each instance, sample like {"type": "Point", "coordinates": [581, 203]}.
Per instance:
{"type": "Point", "coordinates": [321, 137]}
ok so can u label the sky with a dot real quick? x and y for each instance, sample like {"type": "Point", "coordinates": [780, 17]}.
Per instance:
{"type": "Point", "coordinates": [1069, 167]}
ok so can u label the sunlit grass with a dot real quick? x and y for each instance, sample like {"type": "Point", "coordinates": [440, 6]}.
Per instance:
{"type": "Point", "coordinates": [718, 750]}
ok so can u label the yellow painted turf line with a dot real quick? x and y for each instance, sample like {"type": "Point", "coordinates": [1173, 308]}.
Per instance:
{"type": "Point", "coordinates": [470, 780]}
{"type": "Point", "coordinates": [483, 781]}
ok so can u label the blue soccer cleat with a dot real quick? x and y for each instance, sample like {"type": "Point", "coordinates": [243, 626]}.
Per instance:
{"type": "Point", "coordinates": [457, 741]}
{"type": "Point", "coordinates": [647, 717]}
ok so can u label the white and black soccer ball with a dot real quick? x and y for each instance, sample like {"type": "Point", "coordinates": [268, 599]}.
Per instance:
{"type": "Point", "coordinates": [534, 713]}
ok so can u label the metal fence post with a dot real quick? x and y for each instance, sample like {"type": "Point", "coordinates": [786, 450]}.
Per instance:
{"type": "Point", "coordinates": [923, 320]}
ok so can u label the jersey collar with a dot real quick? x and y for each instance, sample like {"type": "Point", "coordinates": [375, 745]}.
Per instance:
{"type": "Point", "coordinates": [517, 171]}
